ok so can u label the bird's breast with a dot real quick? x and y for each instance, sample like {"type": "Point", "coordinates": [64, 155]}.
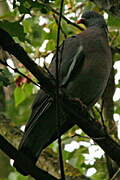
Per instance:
{"type": "Point", "coordinates": [90, 82]}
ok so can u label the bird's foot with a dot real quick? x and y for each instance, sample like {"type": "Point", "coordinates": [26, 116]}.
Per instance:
{"type": "Point", "coordinates": [77, 100]}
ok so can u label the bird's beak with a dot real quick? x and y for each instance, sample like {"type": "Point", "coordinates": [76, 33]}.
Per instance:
{"type": "Point", "coordinates": [81, 23]}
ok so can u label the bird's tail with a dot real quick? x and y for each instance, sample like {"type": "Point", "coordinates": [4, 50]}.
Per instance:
{"type": "Point", "coordinates": [41, 130]}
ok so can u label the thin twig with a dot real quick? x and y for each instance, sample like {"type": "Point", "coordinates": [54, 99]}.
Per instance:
{"type": "Point", "coordinates": [58, 13]}
{"type": "Point", "coordinates": [115, 175]}
{"type": "Point", "coordinates": [78, 135]}
{"type": "Point", "coordinates": [50, 74]}
{"type": "Point", "coordinates": [43, 55]}
{"type": "Point", "coordinates": [57, 94]}
{"type": "Point", "coordinates": [101, 116]}
{"type": "Point", "coordinates": [17, 71]}
{"type": "Point", "coordinates": [9, 45]}
{"type": "Point", "coordinates": [56, 20]}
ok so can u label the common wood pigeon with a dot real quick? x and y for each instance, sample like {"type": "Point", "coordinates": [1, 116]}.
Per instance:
{"type": "Point", "coordinates": [84, 67]}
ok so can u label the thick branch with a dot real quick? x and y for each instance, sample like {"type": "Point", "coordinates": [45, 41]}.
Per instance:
{"type": "Point", "coordinates": [93, 129]}
{"type": "Point", "coordinates": [48, 160]}
{"type": "Point", "coordinates": [26, 163]}
{"type": "Point", "coordinates": [90, 127]}
{"type": "Point", "coordinates": [9, 45]}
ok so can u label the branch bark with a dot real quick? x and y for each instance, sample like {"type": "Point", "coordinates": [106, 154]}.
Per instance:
{"type": "Point", "coordinates": [108, 111]}
{"type": "Point", "coordinates": [9, 45]}
{"type": "Point", "coordinates": [25, 163]}
{"type": "Point", "coordinates": [88, 125]}
{"type": "Point", "coordinates": [48, 160]}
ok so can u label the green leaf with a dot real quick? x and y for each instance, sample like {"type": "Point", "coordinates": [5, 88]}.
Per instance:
{"type": "Point", "coordinates": [4, 77]}
{"type": "Point", "coordinates": [113, 21]}
{"type": "Point", "coordinates": [19, 95]}
{"type": "Point", "coordinates": [14, 29]}
{"type": "Point", "coordinates": [28, 89]}
{"type": "Point", "coordinates": [12, 176]}
{"type": "Point", "coordinates": [35, 33]}
{"type": "Point", "coordinates": [19, 114]}
{"type": "Point", "coordinates": [27, 5]}
{"type": "Point", "coordinates": [16, 176]}
{"type": "Point", "coordinates": [50, 45]}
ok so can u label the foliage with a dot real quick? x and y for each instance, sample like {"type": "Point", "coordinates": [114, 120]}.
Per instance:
{"type": "Point", "coordinates": [30, 24]}
{"type": "Point", "coordinates": [4, 77]}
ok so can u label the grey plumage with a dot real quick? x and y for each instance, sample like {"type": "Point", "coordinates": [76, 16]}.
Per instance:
{"type": "Point", "coordinates": [84, 67]}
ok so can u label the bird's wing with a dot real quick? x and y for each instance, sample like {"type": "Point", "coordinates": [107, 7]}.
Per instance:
{"type": "Point", "coordinates": [71, 58]}
{"type": "Point", "coordinates": [76, 61]}
{"type": "Point", "coordinates": [40, 105]}
{"type": "Point", "coordinates": [41, 129]}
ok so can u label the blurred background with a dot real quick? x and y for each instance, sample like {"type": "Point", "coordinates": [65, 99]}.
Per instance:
{"type": "Point", "coordinates": [33, 24]}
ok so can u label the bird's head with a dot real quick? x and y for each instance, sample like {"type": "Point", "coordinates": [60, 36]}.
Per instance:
{"type": "Point", "coordinates": [92, 18]}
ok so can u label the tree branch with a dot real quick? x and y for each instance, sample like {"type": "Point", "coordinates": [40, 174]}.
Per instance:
{"type": "Point", "coordinates": [93, 129]}
{"type": "Point", "coordinates": [47, 5]}
{"type": "Point", "coordinates": [26, 163]}
{"type": "Point", "coordinates": [48, 160]}
{"type": "Point", "coordinates": [9, 45]}
{"type": "Point", "coordinates": [57, 90]}
{"type": "Point", "coordinates": [85, 122]}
